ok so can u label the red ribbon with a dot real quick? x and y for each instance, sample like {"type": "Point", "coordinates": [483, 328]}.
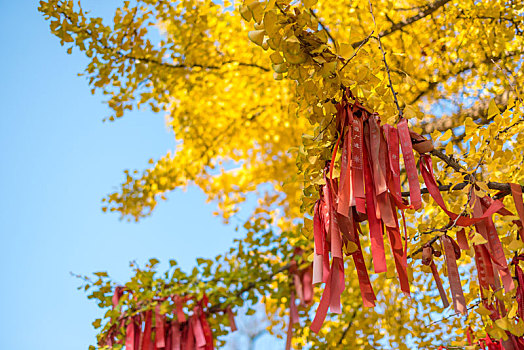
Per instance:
{"type": "Point", "coordinates": [146, 343]}
{"type": "Point", "coordinates": [357, 158]}
{"type": "Point", "coordinates": [375, 226]}
{"type": "Point", "coordinates": [231, 317]}
{"type": "Point", "coordinates": [457, 295]}
{"type": "Point", "coordinates": [426, 169]}
{"type": "Point", "coordinates": [409, 164]}
{"type": "Point", "coordinates": [488, 230]}
{"type": "Point", "coordinates": [520, 289]}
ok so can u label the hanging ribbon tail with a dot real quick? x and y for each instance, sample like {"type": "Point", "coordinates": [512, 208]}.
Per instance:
{"type": "Point", "coordinates": [333, 228]}
{"type": "Point", "coordinates": [323, 307]}
{"type": "Point", "coordinates": [357, 158]}
{"type": "Point", "coordinates": [393, 172]}
{"type": "Point", "coordinates": [147, 341]}
{"type": "Point", "coordinates": [181, 317]}
{"type": "Point", "coordinates": [130, 335]}
{"type": "Point", "coordinates": [160, 340]}
{"type": "Point", "coordinates": [375, 227]}
{"type": "Point", "coordinates": [198, 331]}
{"type": "Point", "coordinates": [289, 334]}
{"type": "Point", "coordinates": [175, 336]}
{"type": "Point", "coordinates": [484, 266]}
{"type": "Point", "coordinates": [398, 255]}
{"type": "Point", "coordinates": [488, 231]}
{"type": "Point", "coordinates": [516, 193]}
{"type": "Point", "coordinates": [208, 334]}
{"type": "Point", "coordinates": [307, 285]}
{"type": "Point", "coordinates": [459, 302]}
{"type": "Point", "coordinates": [119, 291]}
{"type": "Point", "coordinates": [344, 191]}
{"type": "Point", "coordinates": [366, 289]}
{"type": "Point", "coordinates": [462, 241]}
{"type": "Point", "coordinates": [169, 336]}
{"type": "Point", "coordinates": [520, 289]}
{"type": "Point", "coordinates": [293, 319]}
{"type": "Point", "coordinates": [231, 317]}
{"type": "Point", "coordinates": [409, 164]}
{"type": "Point", "coordinates": [441, 291]}
{"type": "Point", "coordinates": [337, 285]}
{"type": "Point", "coordinates": [297, 282]}
{"type": "Point", "coordinates": [188, 342]}
{"type": "Point", "coordinates": [318, 232]}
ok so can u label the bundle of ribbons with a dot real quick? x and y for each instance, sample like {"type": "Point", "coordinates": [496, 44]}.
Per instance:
{"type": "Point", "coordinates": [369, 188]}
{"type": "Point", "coordinates": [152, 330]}
{"type": "Point", "coordinates": [302, 289]}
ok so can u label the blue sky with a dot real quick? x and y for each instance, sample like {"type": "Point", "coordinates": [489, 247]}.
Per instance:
{"type": "Point", "coordinates": [58, 160]}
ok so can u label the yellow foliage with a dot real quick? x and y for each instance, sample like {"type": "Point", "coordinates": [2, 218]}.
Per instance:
{"type": "Point", "coordinates": [250, 91]}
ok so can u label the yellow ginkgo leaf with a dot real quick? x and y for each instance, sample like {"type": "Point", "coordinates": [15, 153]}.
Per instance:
{"type": "Point", "coordinates": [345, 50]}
{"type": "Point", "coordinates": [481, 309]}
{"type": "Point", "coordinates": [350, 248]}
{"type": "Point", "coordinates": [445, 136]}
{"type": "Point", "coordinates": [309, 3]}
{"type": "Point", "coordinates": [257, 36]}
{"type": "Point", "coordinates": [493, 109]}
{"type": "Point", "coordinates": [515, 245]}
{"type": "Point", "coordinates": [478, 239]}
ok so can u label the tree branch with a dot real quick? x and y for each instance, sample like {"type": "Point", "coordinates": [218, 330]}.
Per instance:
{"type": "Point", "coordinates": [400, 25]}
{"type": "Point", "coordinates": [478, 111]}
{"type": "Point", "coordinates": [219, 307]}
{"type": "Point", "coordinates": [444, 77]}
{"type": "Point", "coordinates": [385, 63]}
{"type": "Point", "coordinates": [196, 65]}
{"type": "Point", "coordinates": [326, 29]}
{"type": "Point", "coordinates": [497, 186]}
{"type": "Point", "coordinates": [353, 316]}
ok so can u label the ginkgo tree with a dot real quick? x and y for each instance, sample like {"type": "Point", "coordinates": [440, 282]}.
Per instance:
{"type": "Point", "coordinates": [383, 142]}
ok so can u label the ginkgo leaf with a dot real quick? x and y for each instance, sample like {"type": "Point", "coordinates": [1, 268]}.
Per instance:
{"type": "Point", "coordinates": [493, 109]}
{"type": "Point", "coordinates": [345, 50]}
{"type": "Point", "coordinates": [309, 3]}
{"type": "Point", "coordinates": [478, 239]}
{"type": "Point", "coordinates": [446, 135]}
{"type": "Point", "coordinates": [515, 245]}
{"type": "Point", "coordinates": [481, 309]}
{"type": "Point", "coordinates": [503, 323]}
{"type": "Point", "coordinates": [257, 36]}
{"type": "Point", "coordinates": [350, 248]}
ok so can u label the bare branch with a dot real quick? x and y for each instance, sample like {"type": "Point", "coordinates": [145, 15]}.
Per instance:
{"type": "Point", "coordinates": [196, 65]}
{"type": "Point", "coordinates": [497, 186]}
{"type": "Point", "coordinates": [400, 25]}
{"type": "Point", "coordinates": [326, 29]}
{"type": "Point", "coordinates": [385, 63]}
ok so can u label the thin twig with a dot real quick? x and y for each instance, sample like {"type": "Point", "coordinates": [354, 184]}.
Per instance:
{"type": "Point", "coordinates": [358, 49]}
{"type": "Point", "coordinates": [325, 128]}
{"type": "Point", "coordinates": [385, 62]}
{"type": "Point", "coordinates": [444, 229]}
{"type": "Point", "coordinates": [498, 186]}
{"type": "Point", "coordinates": [325, 28]}
{"type": "Point", "coordinates": [352, 319]}
{"type": "Point", "coordinates": [428, 10]}
{"type": "Point", "coordinates": [455, 314]}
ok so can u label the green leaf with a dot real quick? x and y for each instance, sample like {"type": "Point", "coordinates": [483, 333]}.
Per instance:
{"type": "Point", "coordinates": [97, 323]}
